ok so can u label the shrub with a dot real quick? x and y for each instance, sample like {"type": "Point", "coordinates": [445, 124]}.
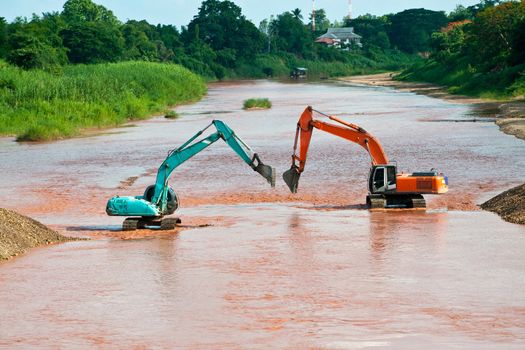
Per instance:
{"type": "Point", "coordinates": [257, 103]}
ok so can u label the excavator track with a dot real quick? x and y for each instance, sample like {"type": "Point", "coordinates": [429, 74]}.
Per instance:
{"type": "Point", "coordinates": [169, 223]}
{"type": "Point", "coordinates": [379, 201]}
{"type": "Point", "coordinates": [375, 201]}
{"type": "Point", "coordinates": [132, 224]}
{"type": "Point", "coordinates": [418, 201]}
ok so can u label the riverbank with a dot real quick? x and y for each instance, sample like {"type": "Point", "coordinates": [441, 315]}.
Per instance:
{"type": "Point", "coordinates": [19, 233]}
{"type": "Point", "coordinates": [42, 105]}
{"type": "Point", "coordinates": [509, 115]}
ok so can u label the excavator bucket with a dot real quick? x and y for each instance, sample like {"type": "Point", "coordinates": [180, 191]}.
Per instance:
{"type": "Point", "coordinates": [291, 177]}
{"type": "Point", "coordinates": [267, 172]}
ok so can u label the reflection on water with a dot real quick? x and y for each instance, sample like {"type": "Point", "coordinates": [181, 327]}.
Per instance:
{"type": "Point", "coordinates": [250, 270]}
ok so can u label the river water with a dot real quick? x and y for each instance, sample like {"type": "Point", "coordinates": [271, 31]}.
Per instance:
{"type": "Point", "coordinates": [254, 267]}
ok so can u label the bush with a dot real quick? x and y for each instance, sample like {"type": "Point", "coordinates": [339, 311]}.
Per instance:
{"type": "Point", "coordinates": [171, 114]}
{"type": "Point", "coordinates": [257, 103]}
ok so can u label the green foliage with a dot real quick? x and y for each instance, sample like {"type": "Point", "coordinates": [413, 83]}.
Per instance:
{"type": "Point", "coordinates": [221, 25]}
{"type": "Point", "coordinates": [448, 44]}
{"type": "Point", "coordinates": [492, 34]}
{"type": "Point", "coordinates": [3, 38]}
{"type": "Point", "coordinates": [37, 105]}
{"type": "Point", "coordinates": [260, 103]}
{"type": "Point", "coordinates": [410, 30]}
{"type": "Point", "coordinates": [93, 42]}
{"type": "Point", "coordinates": [291, 35]}
{"type": "Point", "coordinates": [139, 39]}
{"type": "Point", "coordinates": [171, 114]}
{"type": "Point", "coordinates": [78, 11]}
{"type": "Point", "coordinates": [373, 30]}
{"type": "Point", "coordinates": [482, 57]}
{"type": "Point", "coordinates": [461, 13]}
{"type": "Point", "coordinates": [321, 21]}
{"type": "Point", "coordinates": [35, 44]}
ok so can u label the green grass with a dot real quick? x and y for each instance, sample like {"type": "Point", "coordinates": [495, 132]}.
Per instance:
{"type": "Point", "coordinates": [37, 105]}
{"type": "Point", "coordinates": [257, 103]}
{"type": "Point", "coordinates": [465, 80]}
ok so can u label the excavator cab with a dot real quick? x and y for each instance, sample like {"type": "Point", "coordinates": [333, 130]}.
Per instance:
{"type": "Point", "coordinates": [382, 179]}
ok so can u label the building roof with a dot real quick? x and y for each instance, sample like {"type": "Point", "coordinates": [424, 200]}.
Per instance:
{"type": "Point", "coordinates": [329, 41]}
{"type": "Point", "coordinates": [341, 34]}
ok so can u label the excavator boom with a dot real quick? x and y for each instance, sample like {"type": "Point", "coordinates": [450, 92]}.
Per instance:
{"type": "Point", "coordinates": [386, 187]}
{"type": "Point", "coordinates": [159, 199]}
{"type": "Point", "coordinates": [348, 131]}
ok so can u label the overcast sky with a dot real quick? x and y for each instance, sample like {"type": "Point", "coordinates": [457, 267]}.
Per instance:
{"type": "Point", "coordinates": [180, 12]}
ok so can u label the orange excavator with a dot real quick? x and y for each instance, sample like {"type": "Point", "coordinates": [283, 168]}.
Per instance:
{"type": "Point", "coordinates": [387, 188]}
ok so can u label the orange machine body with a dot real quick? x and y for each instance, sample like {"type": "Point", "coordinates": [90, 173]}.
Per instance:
{"type": "Point", "coordinates": [413, 183]}
{"type": "Point", "coordinates": [383, 181]}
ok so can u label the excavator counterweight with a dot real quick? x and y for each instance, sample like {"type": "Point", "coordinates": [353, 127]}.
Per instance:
{"type": "Point", "coordinates": [386, 187]}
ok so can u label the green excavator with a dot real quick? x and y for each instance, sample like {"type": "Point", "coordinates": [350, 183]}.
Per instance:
{"type": "Point", "coordinates": [159, 200]}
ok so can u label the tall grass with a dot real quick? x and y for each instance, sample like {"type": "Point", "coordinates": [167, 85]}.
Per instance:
{"type": "Point", "coordinates": [38, 105]}
{"type": "Point", "coordinates": [463, 79]}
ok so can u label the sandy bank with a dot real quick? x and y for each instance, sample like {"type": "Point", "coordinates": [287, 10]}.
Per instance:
{"type": "Point", "coordinates": [19, 233]}
{"type": "Point", "coordinates": [510, 116]}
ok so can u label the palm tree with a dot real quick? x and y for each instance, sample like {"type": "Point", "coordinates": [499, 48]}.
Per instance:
{"type": "Point", "coordinates": [297, 14]}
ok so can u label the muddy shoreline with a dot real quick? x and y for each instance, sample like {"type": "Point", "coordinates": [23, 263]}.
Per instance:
{"type": "Point", "coordinates": [509, 115]}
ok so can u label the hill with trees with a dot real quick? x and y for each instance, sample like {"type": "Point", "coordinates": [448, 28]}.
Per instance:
{"type": "Point", "coordinates": [218, 43]}
{"type": "Point", "coordinates": [481, 51]}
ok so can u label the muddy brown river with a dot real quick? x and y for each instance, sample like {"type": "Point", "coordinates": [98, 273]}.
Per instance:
{"type": "Point", "coordinates": [255, 267]}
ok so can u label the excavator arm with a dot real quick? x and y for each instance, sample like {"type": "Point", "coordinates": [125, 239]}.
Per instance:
{"type": "Point", "coordinates": [190, 148]}
{"type": "Point", "coordinates": [159, 199]}
{"type": "Point", "coordinates": [346, 130]}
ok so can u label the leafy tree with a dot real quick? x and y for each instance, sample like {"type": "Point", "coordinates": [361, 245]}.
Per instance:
{"type": "Point", "coordinates": [171, 38]}
{"type": "Point", "coordinates": [494, 36]}
{"type": "Point", "coordinates": [461, 13]}
{"type": "Point", "coordinates": [222, 26]}
{"type": "Point", "coordinates": [518, 42]}
{"type": "Point", "coordinates": [93, 42]}
{"type": "Point", "coordinates": [482, 5]}
{"type": "Point", "coordinates": [3, 37]}
{"type": "Point", "coordinates": [76, 11]}
{"type": "Point", "coordinates": [448, 44]}
{"type": "Point", "coordinates": [410, 30]}
{"type": "Point", "coordinates": [291, 35]}
{"type": "Point", "coordinates": [321, 21]}
{"type": "Point", "coordinates": [35, 44]}
{"type": "Point", "coordinates": [373, 30]}
{"type": "Point", "coordinates": [297, 14]}
{"type": "Point", "coordinates": [138, 41]}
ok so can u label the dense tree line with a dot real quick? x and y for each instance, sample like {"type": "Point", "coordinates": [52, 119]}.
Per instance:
{"type": "Point", "coordinates": [486, 37]}
{"type": "Point", "coordinates": [480, 51]}
{"type": "Point", "coordinates": [219, 38]}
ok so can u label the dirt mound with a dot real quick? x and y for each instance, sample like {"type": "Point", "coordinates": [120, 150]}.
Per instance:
{"type": "Point", "coordinates": [19, 233]}
{"type": "Point", "coordinates": [510, 205]}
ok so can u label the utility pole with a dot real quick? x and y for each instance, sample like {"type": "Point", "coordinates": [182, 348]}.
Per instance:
{"type": "Point", "coordinates": [313, 15]}
{"type": "Point", "coordinates": [349, 10]}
